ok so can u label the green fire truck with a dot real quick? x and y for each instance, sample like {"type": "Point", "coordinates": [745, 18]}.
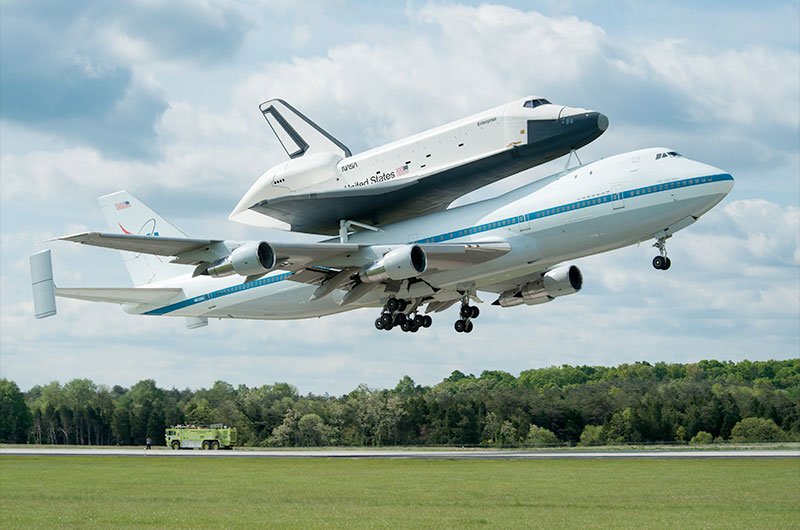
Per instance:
{"type": "Point", "coordinates": [201, 437]}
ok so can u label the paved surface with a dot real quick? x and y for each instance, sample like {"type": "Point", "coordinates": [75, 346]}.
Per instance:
{"type": "Point", "coordinates": [459, 454]}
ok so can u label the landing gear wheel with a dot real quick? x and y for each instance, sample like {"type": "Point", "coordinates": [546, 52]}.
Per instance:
{"type": "Point", "coordinates": [379, 323]}
{"type": "Point", "coordinates": [475, 312]}
{"type": "Point", "coordinates": [466, 311]}
{"type": "Point", "coordinates": [427, 321]}
{"type": "Point", "coordinates": [406, 325]}
{"type": "Point", "coordinates": [414, 328]}
{"type": "Point", "coordinates": [392, 305]}
{"type": "Point", "coordinates": [668, 264]}
{"type": "Point", "coordinates": [389, 327]}
{"type": "Point", "coordinates": [460, 325]}
{"type": "Point", "coordinates": [402, 304]}
{"type": "Point", "coordinates": [399, 319]}
{"type": "Point", "coordinates": [386, 319]}
{"type": "Point", "coordinates": [660, 262]}
{"type": "Point", "coordinates": [419, 320]}
{"type": "Point", "coordinates": [468, 327]}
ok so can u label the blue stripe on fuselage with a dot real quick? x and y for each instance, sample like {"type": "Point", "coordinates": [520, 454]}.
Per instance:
{"type": "Point", "coordinates": [547, 212]}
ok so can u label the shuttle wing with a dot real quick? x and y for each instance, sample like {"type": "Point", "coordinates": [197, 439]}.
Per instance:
{"type": "Point", "coordinates": [388, 203]}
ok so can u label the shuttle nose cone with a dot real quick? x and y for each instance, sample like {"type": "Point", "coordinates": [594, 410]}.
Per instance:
{"type": "Point", "coordinates": [602, 121]}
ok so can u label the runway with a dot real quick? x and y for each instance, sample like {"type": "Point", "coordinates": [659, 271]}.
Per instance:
{"type": "Point", "coordinates": [417, 454]}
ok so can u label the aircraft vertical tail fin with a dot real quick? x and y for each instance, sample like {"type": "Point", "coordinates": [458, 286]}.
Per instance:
{"type": "Point", "coordinates": [126, 214]}
{"type": "Point", "coordinates": [297, 134]}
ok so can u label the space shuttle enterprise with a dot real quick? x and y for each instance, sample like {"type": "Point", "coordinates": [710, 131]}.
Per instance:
{"type": "Point", "coordinates": [324, 188]}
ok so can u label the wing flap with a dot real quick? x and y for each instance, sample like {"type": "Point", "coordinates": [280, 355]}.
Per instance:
{"type": "Point", "coordinates": [448, 256]}
{"type": "Point", "coordinates": [120, 295]}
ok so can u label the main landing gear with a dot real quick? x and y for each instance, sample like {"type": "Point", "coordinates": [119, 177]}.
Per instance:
{"type": "Point", "coordinates": [468, 312]}
{"type": "Point", "coordinates": [661, 262]}
{"type": "Point", "coordinates": [394, 315]}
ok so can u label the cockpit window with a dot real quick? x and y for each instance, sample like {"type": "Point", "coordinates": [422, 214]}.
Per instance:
{"type": "Point", "coordinates": [533, 103]}
{"type": "Point", "coordinates": [665, 155]}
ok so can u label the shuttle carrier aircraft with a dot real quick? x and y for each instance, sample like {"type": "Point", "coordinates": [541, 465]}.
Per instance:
{"type": "Point", "coordinates": [511, 250]}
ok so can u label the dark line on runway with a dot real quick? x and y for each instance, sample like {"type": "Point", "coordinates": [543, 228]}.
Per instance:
{"type": "Point", "coordinates": [417, 455]}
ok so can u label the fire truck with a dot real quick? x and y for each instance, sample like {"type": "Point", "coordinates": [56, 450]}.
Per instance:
{"type": "Point", "coordinates": [216, 436]}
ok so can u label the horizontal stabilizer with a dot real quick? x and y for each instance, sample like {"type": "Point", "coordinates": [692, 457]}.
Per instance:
{"type": "Point", "coordinates": [120, 295]}
{"type": "Point", "coordinates": [44, 301]}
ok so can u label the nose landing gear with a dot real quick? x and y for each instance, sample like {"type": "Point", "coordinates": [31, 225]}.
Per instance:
{"type": "Point", "coordinates": [661, 262]}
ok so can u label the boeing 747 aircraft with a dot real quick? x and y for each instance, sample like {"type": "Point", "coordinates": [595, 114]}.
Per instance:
{"type": "Point", "coordinates": [323, 186]}
{"type": "Point", "coordinates": [515, 248]}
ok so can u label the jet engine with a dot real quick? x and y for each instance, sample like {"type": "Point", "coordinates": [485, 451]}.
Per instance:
{"type": "Point", "coordinates": [399, 264]}
{"type": "Point", "coordinates": [560, 281]}
{"type": "Point", "coordinates": [250, 259]}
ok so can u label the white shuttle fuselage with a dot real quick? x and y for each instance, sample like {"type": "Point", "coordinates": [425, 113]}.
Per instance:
{"type": "Point", "coordinates": [323, 183]}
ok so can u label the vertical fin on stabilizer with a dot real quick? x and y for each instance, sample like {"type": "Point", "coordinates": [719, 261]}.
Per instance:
{"type": "Point", "coordinates": [297, 134]}
{"type": "Point", "coordinates": [125, 214]}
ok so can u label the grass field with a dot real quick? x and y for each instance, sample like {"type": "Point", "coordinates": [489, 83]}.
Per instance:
{"type": "Point", "coordinates": [103, 492]}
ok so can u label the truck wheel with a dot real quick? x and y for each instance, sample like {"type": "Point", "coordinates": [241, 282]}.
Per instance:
{"type": "Point", "coordinates": [215, 445]}
{"type": "Point", "coordinates": [206, 444]}
{"type": "Point", "coordinates": [175, 445]}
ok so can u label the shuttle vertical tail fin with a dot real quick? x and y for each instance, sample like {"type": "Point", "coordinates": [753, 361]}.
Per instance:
{"type": "Point", "coordinates": [126, 214]}
{"type": "Point", "coordinates": [299, 135]}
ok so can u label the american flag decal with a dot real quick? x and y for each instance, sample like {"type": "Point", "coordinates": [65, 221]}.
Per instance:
{"type": "Point", "coordinates": [402, 170]}
{"type": "Point", "coordinates": [122, 205]}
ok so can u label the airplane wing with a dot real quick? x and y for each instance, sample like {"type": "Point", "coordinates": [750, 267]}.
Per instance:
{"type": "Point", "coordinates": [288, 256]}
{"type": "Point", "coordinates": [330, 265]}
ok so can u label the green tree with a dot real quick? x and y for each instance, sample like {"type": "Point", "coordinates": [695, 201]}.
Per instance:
{"type": "Point", "coordinates": [680, 434]}
{"type": "Point", "coordinates": [593, 435]}
{"type": "Point", "coordinates": [285, 434]}
{"type": "Point", "coordinates": [15, 418]}
{"type": "Point", "coordinates": [757, 430]}
{"type": "Point", "coordinates": [312, 431]}
{"type": "Point", "coordinates": [541, 436]}
{"type": "Point", "coordinates": [702, 437]}
{"type": "Point", "coordinates": [508, 434]}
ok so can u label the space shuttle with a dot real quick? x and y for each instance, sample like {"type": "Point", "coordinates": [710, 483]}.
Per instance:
{"type": "Point", "coordinates": [324, 188]}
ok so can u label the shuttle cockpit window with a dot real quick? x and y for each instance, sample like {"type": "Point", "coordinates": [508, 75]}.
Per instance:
{"type": "Point", "coordinates": [659, 156]}
{"type": "Point", "coordinates": [533, 103]}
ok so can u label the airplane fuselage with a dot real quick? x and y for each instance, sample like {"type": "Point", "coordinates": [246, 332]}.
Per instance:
{"type": "Point", "coordinates": [593, 208]}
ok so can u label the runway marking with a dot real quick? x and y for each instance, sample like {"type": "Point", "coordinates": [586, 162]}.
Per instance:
{"type": "Point", "coordinates": [465, 454]}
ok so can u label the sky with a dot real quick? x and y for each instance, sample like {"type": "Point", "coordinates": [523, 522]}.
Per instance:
{"type": "Point", "coordinates": [161, 98]}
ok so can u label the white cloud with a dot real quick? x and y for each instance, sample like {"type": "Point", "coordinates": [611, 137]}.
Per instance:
{"type": "Point", "coordinates": [732, 291]}
{"type": "Point", "coordinates": [729, 85]}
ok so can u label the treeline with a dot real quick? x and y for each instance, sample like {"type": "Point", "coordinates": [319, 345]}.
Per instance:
{"type": "Point", "coordinates": [630, 403]}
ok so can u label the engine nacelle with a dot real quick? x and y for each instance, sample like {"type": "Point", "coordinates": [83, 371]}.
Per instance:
{"type": "Point", "coordinates": [399, 264]}
{"type": "Point", "coordinates": [250, 259]}
{"type": "Point", "coordinates": [561, 281]}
